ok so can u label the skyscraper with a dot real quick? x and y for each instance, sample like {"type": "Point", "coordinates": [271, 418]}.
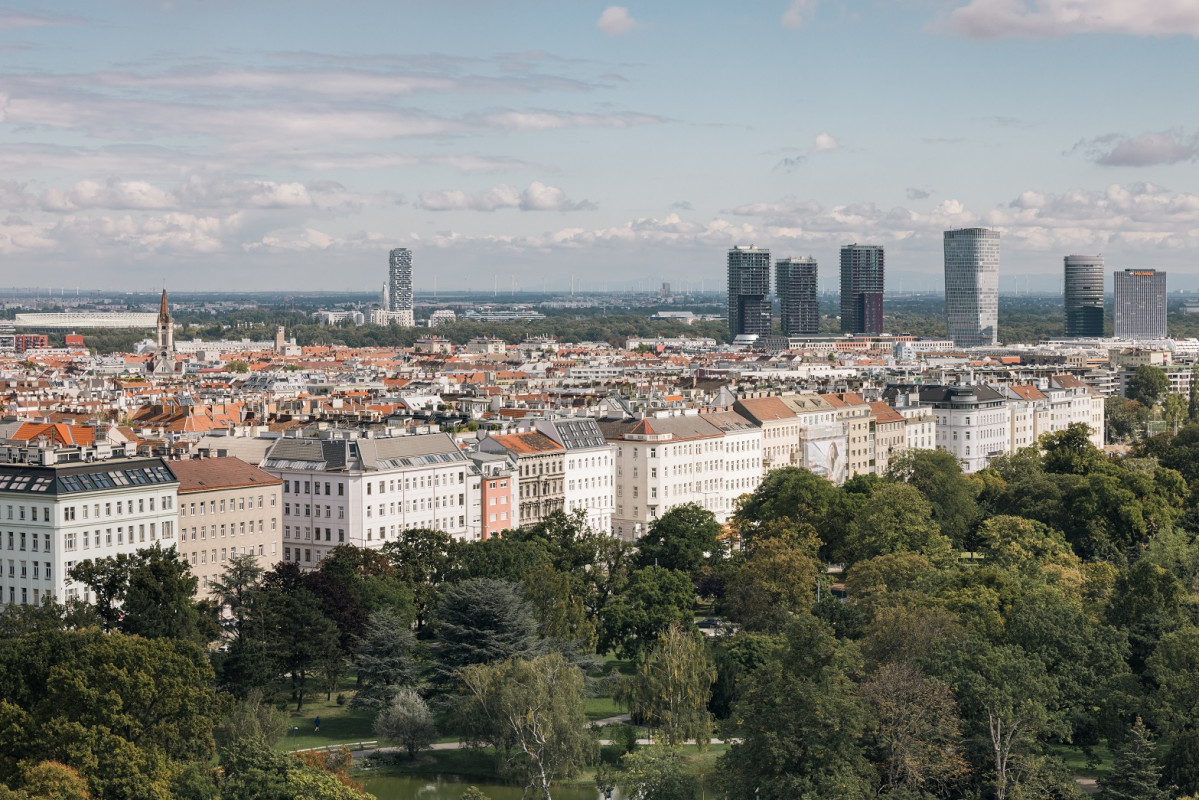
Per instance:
{"type": "Point", "coordinates": [795, 287]}
{"type": "Point", "coordinates": [1140, 304]}
{"type": "Point", "coordinates": [399, 280]}
{"type": "Point", "coordinates": [1084, 296]}
{"type": "Point", "coordinates": [972, 286]}
{"type": "Point", "coordinates": [862, 289]}
{"type": "Point", "coordinates": [749, 291]}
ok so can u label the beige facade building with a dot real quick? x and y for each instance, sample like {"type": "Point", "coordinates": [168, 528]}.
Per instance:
{"type": "Point", "coordinates": [540, 464]}
{"type": "Point", "coordinates": [851, 409]}
{"type": "Point", "coordinates": [890, 435]}
{"type": "Point", "coordinates": [226, 506]}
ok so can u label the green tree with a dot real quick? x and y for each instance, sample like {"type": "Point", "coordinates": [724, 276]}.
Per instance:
{"type": "Point", "coordinates": [1070, 451]}
{"type": "Point", "coordinates": [408, 721]}
{"type": "Point", "coordinates": [1135, 774]}
{"type": "Point", "coordinates": [1174, 410]}
{"type": "Point", "coordinates": [158, 598]}
{"type": "Point", "coordinates": [385, 658]}
{"type": "Point", "coordinates": [252, 718]}
{"type": "Point", "coordinates": [1193, 396]}
{"type": "Point", "coordinates": [684, 538]}
{"type": "Point", "coordinates": [1147, 385]}
{"type": "Point", "coordinates": [896, 520]}
{"type": "Point", "coordinates": [800, 724]}
{"type": "Point", "coordinates": [239, 367]}
{"type": "Point", "coordinates": [670, 691]}
{"type": "Point", "coordinates": [421, 557]}
{"type": "Point", "coordinates": [235, 586]}
{"type": "Point", "coordinates": [656, 773]}
{"type": "Point", "coordinates": [791, 493]}
{"type": "Point", "coordinates": [653, 599]}
{"type": "Point", "coordinates": [483, 620]}
{"type": "Point", "coordinates": [768, 584]}
{"type": "Point", "coordinates": [537, 707]}
{"type": "Point", "coordinates": [938, 476]}
{"type": "Point", "coordinates": [126, 712]}
{"type": "Point", "coordinates": [298, 640]}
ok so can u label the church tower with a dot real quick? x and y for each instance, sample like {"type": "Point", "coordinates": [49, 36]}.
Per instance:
{"type": "Point", "coordinates": [164, 354]}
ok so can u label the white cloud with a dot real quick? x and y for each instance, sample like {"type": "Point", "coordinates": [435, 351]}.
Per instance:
{"type": "Point", "coordinates": [799, 13]}
{"type": "Point", "coordinates": [537, 197]}
{"type": "Point", "coordinates": [553, 120]}
{"type": "Point", "coordinates": [112, 194]}
{"type": "Point", "coordinates": [616, 21]}
{"type": "Point", "coordinates": [1148, 149]}
{"type": "Point", "coordinates": [10, 21]}
{"type": "Point", "coordinates": [990, 19]}
{"type": "Point", "coordinates": [824, 143]}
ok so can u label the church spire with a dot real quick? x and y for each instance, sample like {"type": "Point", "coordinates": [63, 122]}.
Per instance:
{"type": "Point", "coordinates": [164, 315]}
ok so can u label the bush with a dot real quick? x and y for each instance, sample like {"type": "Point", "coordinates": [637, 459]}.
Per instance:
{"type": "Point", "coordinates": [407, 721]}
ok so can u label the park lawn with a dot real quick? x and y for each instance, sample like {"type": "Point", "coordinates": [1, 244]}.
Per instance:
{"type": "Point", "coordinates": [339, 725]}
{"type": "Point", "coordinates": [1076, 760]}
{"type": "Point", "coordinates": [702, 764]}
{"type": "Point", "coordinates": [603, 707]}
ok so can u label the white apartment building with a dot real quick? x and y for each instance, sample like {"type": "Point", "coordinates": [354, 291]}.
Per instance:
{"type": "Point", "coordinates": [364, 491]}
{"type": "Point", "coordinates": [780, 426]}
{"type": "Point", "coordinates": [973, 422]}
{"type": "Point", "coordinates": [823, 436]}
{"type": "Point", "coordinates": [668, 460]}
{"type": "Point", "coordinates": [55, 514]}
{"type": "Point", "coordinates": [589, 468]}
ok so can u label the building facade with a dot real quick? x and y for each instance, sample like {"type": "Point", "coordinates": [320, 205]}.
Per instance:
{"type": "Point", "coordinates": [589, 467]}
{"type": "Point", "coordinates": [399, 280]}
{"type": "Point", "coordinates": [1084, 296]}
{"type": "Point", "coordinates": [1140, 303]}
{"type": "Point", "coordinates": [972, 422]}
{"type": "Point", "coordinates": [972, 286]}
{"type": "Point", "coordinates": [226, 506]}
{"type": "Point", "coordinates": [540, 465]}
{"type": "Point", "coordinates": [749, 291]}
{"type": "Point", "coordinates": [795, 283]}
{"type": "Point", "coordinates": [862, 289]}
{"type": "Point", "coordinates": [53, 515]}
{"type": "Point", "coordinates": [364, 491]}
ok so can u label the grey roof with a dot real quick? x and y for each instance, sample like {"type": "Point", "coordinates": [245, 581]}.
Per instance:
{"type": "Point", "coordinates": [728, 421]}
{"type": "Point", "coordinates": [77, 478]}
{"type": "Point", "coordinates": [324, 455]}
{"type": "Point", "coordinates": [579, 434]}
{"type": "Point", "coordinates": [975, 394]}
{"type": "Point", "coordinates": [338, 455]}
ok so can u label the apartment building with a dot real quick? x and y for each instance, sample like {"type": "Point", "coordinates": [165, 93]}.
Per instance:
{"type": "Point", "coordinates": [671, 459]}
{"type": "Point", "coordinates": [852, 410]}
{"type": "Point", "coordinates": [362, 491]}
{"type": "Point", "coordinates": [499, 496]}
{"type": "Point", "coordinates": [823, 436]}
{"type": "Point", "coordinates": [540, 466]}
{"type": "Point", "coordinates": [973, 422]}
{"type": "Point", "coordinates": [889, 432]}
{"type": "Point", "coordinates": [54, 513]}
{"type": "Point", "coordinates": [226, 506]}
{"type": "Point", "coordinates": [589, 467]}
{"type": "Point", "coordinates": [780, 426]}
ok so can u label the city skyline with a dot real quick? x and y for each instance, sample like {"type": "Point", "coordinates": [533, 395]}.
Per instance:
{"type": "Point", "coordinates": [172, 143]}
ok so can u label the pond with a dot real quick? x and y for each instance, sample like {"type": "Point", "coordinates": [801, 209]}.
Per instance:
{"type": "Point", "coordinates": [450, 787]}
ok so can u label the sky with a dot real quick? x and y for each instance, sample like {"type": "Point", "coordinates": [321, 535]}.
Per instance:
{"type": "Point", "coordinates": [532, 144]}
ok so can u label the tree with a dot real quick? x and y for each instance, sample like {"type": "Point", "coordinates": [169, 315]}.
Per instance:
{"type": "Point", "coordinates": [1193, 396]}
{"type": "Point", "coordinates": [769, 584]}
{"type": "Point", "coordinates": [239, 367]}
{"type": "Point", "coordinates": [897, 519]}
{"type": "Point", "coordinates": [252, 718]}
{"type": "Point", "coordinates": [158, 597]}
{"type": "Point", "coordinates": [651, 601]}
{"type": "Point", "coordinates": [235, 586]}
{"type": "Point", "coordinates": [407, 720]}
{"type": "Point", "coordinates": [684, 538]}
{"type": "Point", "coordinates": [126, 712]}
{"type": "Point", "coordinates": [1174, 410]}
{"type": "Point", "coordinates": [298, 640]}
{"type": "Point", "coordinates": [1135, 774]}
{"type": "Point", "coordinates": [919, 732]}
{"type": "Point", "coordinates": [800, 722]}
{"type": "Point", "coordinates": [107, 580]}
{"type": "Point", "coordinates": [537, 705]}
{"type": "Point", "coordinates": [938, 476]}
{"type": "Point", "coordinates": [385, 660]}
{"type": "Point", "coordinates": [1147, 385]}
{"type": "Point", "coordinates": [1070, 451]}
{"type": "Point", "coordinates": [483, 620]}
{"type": "Point", "coordinates": [655, 773]}
{"type": "Point", "coordinates": [421, 560]}
{"type": "Point", "coordinates": [671, 689]}
{"type": "Point", "coordinates": [791, 492]}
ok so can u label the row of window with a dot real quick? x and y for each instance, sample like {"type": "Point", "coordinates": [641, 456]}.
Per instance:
{"type": "Point", "coordinates": [235, 529]}
{"type": "Point", "coordinates": [93, 538]}
{"type": "Point", "coordinates": [19, 540]}
{"type": "Point", "coordinates": [202, 556]}
{"type": "Point", "coordinates": [190, 509]}
{"type": "Point", "coordinates": [39, 569]}
{"type": "Point", "coordinates": [87, 511]}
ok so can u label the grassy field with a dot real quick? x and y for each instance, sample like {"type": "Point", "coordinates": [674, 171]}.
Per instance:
{"type": "Point", "coordinates": [1074, 757]}
{"type": "Point", "coordinates": [339, 725]}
